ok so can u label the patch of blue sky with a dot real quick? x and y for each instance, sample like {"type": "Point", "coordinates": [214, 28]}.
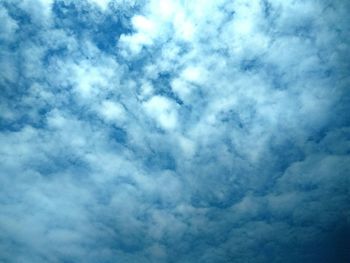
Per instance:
{"type": "Point", "coordinates": [83, 21]}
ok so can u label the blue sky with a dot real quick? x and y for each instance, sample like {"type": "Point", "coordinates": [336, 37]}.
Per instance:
{"type": "Point", "coordinates": [174, 131]}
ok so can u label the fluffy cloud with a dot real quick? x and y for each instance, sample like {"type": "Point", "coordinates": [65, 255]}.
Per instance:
{"type": "Point", "coordinates": [167, 131]}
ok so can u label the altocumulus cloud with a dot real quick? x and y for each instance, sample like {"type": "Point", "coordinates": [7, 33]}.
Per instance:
{"type": "Point", "coordinates": [174, 131]}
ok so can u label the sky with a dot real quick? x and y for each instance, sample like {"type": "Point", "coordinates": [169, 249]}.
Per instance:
{"type": "Point", "coordinates": [189, 131]}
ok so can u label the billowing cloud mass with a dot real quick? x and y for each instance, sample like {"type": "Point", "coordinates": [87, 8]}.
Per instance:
{"type": "Point", "coordinates": [174, 131]}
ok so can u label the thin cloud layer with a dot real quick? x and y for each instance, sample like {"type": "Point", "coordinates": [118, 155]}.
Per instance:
{"type": "Point", "coordinates": [174, 131]}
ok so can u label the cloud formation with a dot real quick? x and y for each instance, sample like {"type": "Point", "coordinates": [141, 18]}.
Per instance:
{"type": "Point", "coordinates": [174, 131]}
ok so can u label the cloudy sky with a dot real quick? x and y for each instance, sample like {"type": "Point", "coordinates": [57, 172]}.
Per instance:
{"type": "Point", "coordinates": [192, 131]}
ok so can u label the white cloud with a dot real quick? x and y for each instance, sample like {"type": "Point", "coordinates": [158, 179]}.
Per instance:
{"type": "Point", "coordinates": [40, 11]}
{"type": "Point", "coordinates": [216, 123]}
{"type": "Point", "coordinates": [163, 110]}
{"type": "Point", "coordinates": [103, 4]}
{"type": "Point", "coordinates": [146, 31]}
{"type": "Point", "coordinates": [112, 111]}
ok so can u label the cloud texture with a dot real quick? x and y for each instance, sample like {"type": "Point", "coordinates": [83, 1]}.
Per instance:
{"type": "Point", "coordinates": [174, 131]}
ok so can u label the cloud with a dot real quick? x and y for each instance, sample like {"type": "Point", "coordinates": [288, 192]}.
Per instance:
{"type": "Point", "coordinates": [166, 131]}
{"type": "Point", "coordinates": [163, 111]}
